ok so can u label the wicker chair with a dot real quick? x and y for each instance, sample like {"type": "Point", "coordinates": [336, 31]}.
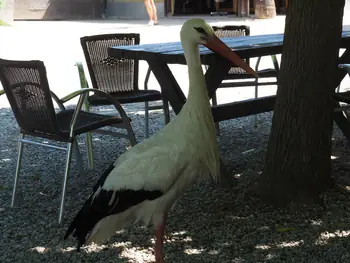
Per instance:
{"type": "Point", "coordinates": [118, 77]}
{"type": "Point", "coordinates": [237, 73]}
{"type": "Point", "coordinates": [26, 86]}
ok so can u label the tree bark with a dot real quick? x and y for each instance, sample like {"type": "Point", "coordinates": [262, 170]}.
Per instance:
{"type": "Point", "coordinates": [298, 165]}
{"type": "Point", "coordinates": [265, 8]}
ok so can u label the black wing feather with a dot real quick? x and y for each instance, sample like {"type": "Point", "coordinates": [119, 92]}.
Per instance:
{"type": "Point", "coordinates": [101, 206]}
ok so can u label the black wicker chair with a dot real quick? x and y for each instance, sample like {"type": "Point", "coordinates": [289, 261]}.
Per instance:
{"type": "Point", "coordinates": [237, 73]}
{"type": "Point", "coordinates": [118, 77]}
{"type": "Point", "coordinates": [27, 89]}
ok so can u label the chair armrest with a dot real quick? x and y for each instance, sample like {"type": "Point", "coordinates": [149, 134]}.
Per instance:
{"type": "Point", "coordinates": [57, 100]}
{"type": "Point", "coordinates": [74, 94]}
{"type": "Point", "coordinates": [83, 94]}
{"type": "Point", "coordinates": [115, 103]}
{"type": "Point", "coordinates": [83, 85]}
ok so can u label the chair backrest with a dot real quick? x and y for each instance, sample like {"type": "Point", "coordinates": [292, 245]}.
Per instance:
{"type": "Point", "coordinates": [110, 74]}
{"type": "Point", "coordinates": [233, 31]}
{"type": "Point", "coordinates": [26, 86]}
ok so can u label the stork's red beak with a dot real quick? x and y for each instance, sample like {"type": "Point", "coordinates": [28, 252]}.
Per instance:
{"type": "Point", "coordinates": [216, 45]}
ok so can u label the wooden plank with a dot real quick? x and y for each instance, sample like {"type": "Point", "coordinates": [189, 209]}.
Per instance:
{"type": "Point", "coordinates": [235, 43]}
{"type": "Point", "coordinates": [244, 108]}
{"type": "Point", "coordinates": [245, 47]}
{"type": "Point", "coordinates": [243, 42]}
{"type": "Point", "coordinates": [207, 56]}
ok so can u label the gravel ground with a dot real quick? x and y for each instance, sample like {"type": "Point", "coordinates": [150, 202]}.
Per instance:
{"type": "Point", "coordinates": [209, 224]}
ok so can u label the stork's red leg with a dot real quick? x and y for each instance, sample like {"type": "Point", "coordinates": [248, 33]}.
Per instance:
{"type": "Point", "coordinates": [159, 241]}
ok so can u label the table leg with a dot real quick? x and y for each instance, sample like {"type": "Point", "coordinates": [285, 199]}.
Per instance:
{"type": "Point", "coordinates": [171, 89]}
{"type": "Point", "coordinates": [169, 86]}
{"type": "Point", "coordinates": [215, 74]}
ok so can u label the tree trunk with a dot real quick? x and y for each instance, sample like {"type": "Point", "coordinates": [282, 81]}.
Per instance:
{"type": "Point", "coordinates": [298, 165]}
{"type": "Point", "coordinates": [265, 8]}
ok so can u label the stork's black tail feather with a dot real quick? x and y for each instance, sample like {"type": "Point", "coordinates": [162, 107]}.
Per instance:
{"type": "Point", "coordinates": [103, 203]}
{"type": "Point", "coordinates": [82, 223]}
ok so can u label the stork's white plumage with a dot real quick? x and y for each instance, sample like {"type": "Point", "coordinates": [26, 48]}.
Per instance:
{"type": "Point", "coordinates": [144, 182]}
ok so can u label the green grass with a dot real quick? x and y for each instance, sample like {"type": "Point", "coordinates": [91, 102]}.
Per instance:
{"type": "Point", "coordinates": [2, 23]}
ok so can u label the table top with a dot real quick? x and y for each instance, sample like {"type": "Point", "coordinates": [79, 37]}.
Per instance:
{"type": "Point", "coordinates": [245, 47]}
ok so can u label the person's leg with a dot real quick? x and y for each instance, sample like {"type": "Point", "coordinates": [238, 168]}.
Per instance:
{"type": "Point", "coordinates": [154, 11]}
{"type": "Point", "coordinates": [149, 7]}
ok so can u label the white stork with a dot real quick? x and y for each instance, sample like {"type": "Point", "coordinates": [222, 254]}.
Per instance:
{"type": "Point", "coordinates": [144, 182]}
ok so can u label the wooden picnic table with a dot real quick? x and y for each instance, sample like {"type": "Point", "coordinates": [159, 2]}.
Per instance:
{"type": "Point", "coordinates": [160, 55]}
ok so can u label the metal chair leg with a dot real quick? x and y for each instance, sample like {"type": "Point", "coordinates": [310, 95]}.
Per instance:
{"type": "Point", "coordinates": [256, 93]}
{"type": "Point", "coordinates": [90, 150]}
{"type": "Point", "coordinates": [78, 159]}
{"type": "Point", "coordinates": [214, 103]}
{"type": "Point", "coordinates": [18, 167]}
{"type": "Point", "coordinates": [88, 140]}
{"type": "Point", "coordinates": [146, 120]}
{"type": "Point", "coordinates": [65, 179]}
{"type": "Point", "coordinates": [166, 112]}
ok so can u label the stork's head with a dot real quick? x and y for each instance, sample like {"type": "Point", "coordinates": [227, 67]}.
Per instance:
{"type": "Point", "coordinates": [197, 31]}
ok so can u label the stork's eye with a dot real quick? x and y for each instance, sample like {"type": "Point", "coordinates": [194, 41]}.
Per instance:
{"type": "Point", "coordinates": [201, 30]}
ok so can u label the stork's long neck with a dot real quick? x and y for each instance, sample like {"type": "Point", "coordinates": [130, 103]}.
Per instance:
{"type": "Point", "coordinates": [197, 94]}
{"type": "Point", "coordinates": [198, 110]}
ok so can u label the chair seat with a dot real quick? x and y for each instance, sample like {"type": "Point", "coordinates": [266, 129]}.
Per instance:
{"type": "Point", "coordinates": [242, 74]}
{"type": "Point", "coordinates": [127, 97]}
{"type": "Point", "coordinates": [87, 121]}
